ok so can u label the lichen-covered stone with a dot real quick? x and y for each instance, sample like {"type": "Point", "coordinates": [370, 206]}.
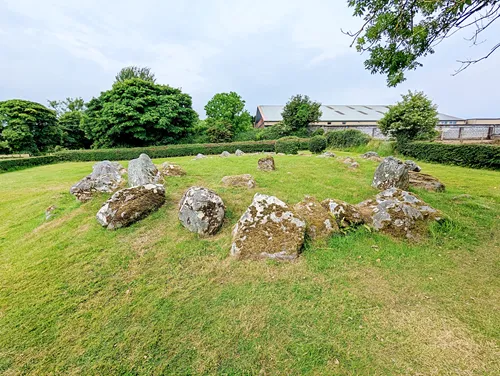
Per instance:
{"type": "Point", "coordinates": [327, 154]}
{"type": "Point", "coordinates": [319, 222]}
{"type": "Point", "coordinates": [239, 153]}
{"type": "Point", "coordinates": [201, 211]}
{"type": "Point", "coordinates": [225, 154]}
{"type": "Point", "coordinates": [425, 181]}
{"type": "Point", "coordinates": [168, 169]}
{"type": "Point", "coordinates": [142, 171]}
{"type": "Point", "coordinates": [345, 214]}
{"type": "Point", "coordinates": [398, 213]}
{"type": "Point", "coordinates": [269, 228]}
{"type": "Point", "coordinates": [391, 173]}
{"type": "Point", "coordinates": [129, 205]}
{"type": "Point", "coordinates": [244, 181]}
{"type": "Point", "coordinates": [412, 166]}
{"type": "Point", "coordinates": [106, 176]}
{"type": "Point", "coordinates": [370, 154]}
{"type": "Point", "coordinates": [266, 164]}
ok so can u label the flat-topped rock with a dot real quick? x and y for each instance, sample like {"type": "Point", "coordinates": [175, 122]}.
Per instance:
{"type": "Point", "coordinates": [266, 164]}
{"type": "Point", "coordinates": [142, 171]}
{"type": "Point", "coordinates": [425, 181]}
{"type": "Point", "coordinates": [319, 222]}
{"type": "Point", "coordinates": [168, 169]}
{"type": "Point", "coordinates": [391, 173]}
{"type": "Point", "coordinates": [345, 214]}
{"type": "Point", "coordinates": [370, 154]}
{"type": "Point", "coordinates": [269, 228]}
{"type": "Point", "coordinates": [201, 211]}
{"type": "Point", "coordinates": [244, 181]}
{"type": "Point", "coordinates": [129, 205]}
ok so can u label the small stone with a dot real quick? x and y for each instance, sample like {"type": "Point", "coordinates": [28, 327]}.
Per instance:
{"type": "Point", "coordinates": [370, 154]}
{"type": "Point", "coordinates": [49, 212]}
{"type": "Point", "coordinates": [168, 169]}
{"type": "Point", "coordinates": [425, 181]}
{"type": "Point", "coordinates": [225, 154]}
{"type": "Point", "coordinates": [201, 211]}
{"type": "Point", "coordinates": [244, 181]}
{"type": "Point", "coordinates": [412, 166]}
{"type": "Point", "coordinates": [391, 173]}
{"type": "Point", "coordinates": [199, 156]}
{"type": "Point", "coordinates": [239, 153]}
{"type": "Point", "coordinates": [326, 154]}
{"type": "Point", "coordinates": [319, 222]}
{"type": "Point", "coordinates": [142, 171]}
{"type": "Point", "coordinates": [345, 214]}
{"type": "Point", "coordinates": [354, 166]}
{"type": "Point", "coordinates": [266, 164]}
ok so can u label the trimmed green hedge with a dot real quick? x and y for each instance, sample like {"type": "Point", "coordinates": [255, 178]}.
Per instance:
{"type": "Point", "coordinates": [347, 138]}
{"type": "Point", "coordinates": [317, 144]}
{"type": "Point", "coordinates": [20, 163]}
{"type": "Point", "coordinates": [475, 156]}
{"type": "Point", "coordinates": [287, 145]}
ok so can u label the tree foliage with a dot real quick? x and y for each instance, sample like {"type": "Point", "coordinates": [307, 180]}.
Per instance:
{"type": "Point", "coordinates": [143, 73]}
{"type": "Point", "coordinates": [69, 115]}
{"type": "Point", "coordinates": [28, 126]}
{"type": "Point", "coordinates": [413, 118]}
{"type": "Point", "coordinates": [230, 108]}
{"type": "Point", "coordinates": [396, 34]}
{"type": "Point", "coordinates": [219, 130]}
{"type": "Point", "coordinates": [138, 113]}
{"type": "Point", "coordinates": [299, 112]}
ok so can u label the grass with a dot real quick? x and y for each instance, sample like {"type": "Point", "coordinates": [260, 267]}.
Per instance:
{"type": "Point", "coordinates": [156, 299]}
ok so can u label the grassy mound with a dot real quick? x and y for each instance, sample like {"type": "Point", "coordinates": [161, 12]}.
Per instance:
{"type": "Point", "coordinates": [156, 299]}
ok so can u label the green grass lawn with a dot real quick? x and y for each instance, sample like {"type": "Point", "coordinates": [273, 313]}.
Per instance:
{"type": "Point", "coordinates": [156, 299]}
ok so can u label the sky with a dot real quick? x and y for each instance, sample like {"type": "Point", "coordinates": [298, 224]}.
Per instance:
{"type": "Point", "coordinates": [265, 50]}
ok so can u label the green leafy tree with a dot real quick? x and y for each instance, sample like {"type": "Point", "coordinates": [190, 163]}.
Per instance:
{"type": "Point", "coordinates": [396, 34]}
{"type": "Point", "coordinates": [299, 112]}
{"type": "Point", "coordinates": [219, 130]}
{"type": "Point", "coordinates": [143, 73]}
{"type": "Point", "coordinates": [413, 118]}
{"type": "Point", "coordinates": [139, 113]}
{"type": "Point", "coordinates": [28, 126]}
{"type": "Point", "coordinates": [69, 116]}
{"type": "Point", "coordinates": [230, 108]}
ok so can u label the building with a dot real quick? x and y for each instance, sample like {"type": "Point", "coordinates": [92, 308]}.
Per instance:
{"type": "Point", "coordinates": [365, 118]}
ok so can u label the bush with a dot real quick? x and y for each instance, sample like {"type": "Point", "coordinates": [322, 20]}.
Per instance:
{"type": "Point", "coordinates": [20, 163]}
{"type": "Point", "coordinates": [475, 156]}
{"type": "Point", "coordinates": [347, 138]}
{"type": "Point", "coordinates": [287, 145]}
{"type": "Point", "coordinates": [318, 132]}
{"type": "Point", "coordinates": [317, 144]}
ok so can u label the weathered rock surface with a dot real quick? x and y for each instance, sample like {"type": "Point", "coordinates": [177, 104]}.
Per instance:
{"type": "Point", "coordinates": [354, 166]}
{"type": "Point", "coordinates": [412, 166]}
{"type": "Point", "coordinates": [142, 171]}
{"type": "Point", "coordinates": [348, 160]}
{"type": "Point", "coordinates": [425, 181]}
{"type": "Point", "coordinates": [201, 211]}
{"type": "Point", "coordinates": [168, 169]}
{"type": "Point", "coordinates": [391, 173]}
{"type": "Point", "coordinates": [319, 222]}
{"type": "Point", "coordinates": [398, 213]}
{"type": "Point", "coordinates": [245, 181]}
{"type": "Point", "coordinates": [266, 164]}
{"type": "Point", "coordinates": [130, 205]}
{"type": "Point", "coordinates": [268, 229]}
{"type": "Point", "coordinates": [344, 213]}
{"type": "Point", "coordinates": [239, 153]}
{"type": "Point", "coordinates": [106, 176]}
{"type": "Point", "coordinates": [199, 156]}
{"type": "Point", "coordinates": [326, 154]}
{"type": "Point", "coordinates": [370, 154]}
{"type": "Point", "coordinates": [225, 154]}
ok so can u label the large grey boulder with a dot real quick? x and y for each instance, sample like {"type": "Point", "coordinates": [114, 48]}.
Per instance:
{"type": "Point", "coordinates": [142, 171]}
{"type": "Point", "coordinates": [319, 222]}
{"type": "Point", "coordinates": [412, 166]}
{"type": "Point", "coordinates": [345, 214]}
{"type": "Point", "coordinates": [269, 228]}
{"type": "Point", "coordinates": [106, 177]}
{"type": "Point", "coordinates": [266, 164]}
{"type": "Point", "coordinates": [130, 205]}
{"type": "Point", "coordinates": [399, 213]}
{"type": "Point", "coordinates": [391, 173]}
{"type": "Point", "coordinates": [201, 211]}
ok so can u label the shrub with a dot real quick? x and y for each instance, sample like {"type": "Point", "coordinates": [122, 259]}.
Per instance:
{"type": "Point", "coordinates": [317, 144]}
{"type": "Point", "coordinates": [287, 145]}
{"type": "Point", "coordinates": [318, 132]}
{"type": "Point", "coordinates": [20, 163]}
{"type": "Point", "coordinates": [347, 138]}
{"type": "Point", "coordinates": [219, 130]}
{"type": "Point", "coordinates": [475, 156]}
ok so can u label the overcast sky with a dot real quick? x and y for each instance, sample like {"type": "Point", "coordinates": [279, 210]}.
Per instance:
{"type": "Point", "coordinates": [266, 50]}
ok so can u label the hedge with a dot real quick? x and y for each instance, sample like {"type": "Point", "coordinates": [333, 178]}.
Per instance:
{"type": "Point", "coordinates": [20, 163]}
{"type": "Point", "coordinates": [475, 156]}
{"type": "Point", "coordinates": [287, 145]}
{"type": "Point", "coordinates": [317, 144]}
{"type": "Point", "coordinates": [347, 138]}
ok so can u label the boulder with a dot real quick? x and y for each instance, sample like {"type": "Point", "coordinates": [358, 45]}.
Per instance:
{"type": "Point", "coordinates": [345, 214]}
{"type": "Point", "coordinates": [199, 156]}
{"type": "Point", "coordinates": [391, 173]}
{"type": "Point", "coordinates": [168, 169]}
{"type": "Point", "coordinates": [370, 154]}
{"type": "Point", "coordinates": [399, 213]}
{"type": "Point", "coordinates": [201, 211]}
{"type": "Point", "coordinates": [142, 171]}
{"type": "Point", "coordinates": [239, 153]}
{"type": "Point", "coordinates": [424, 181]}
{"type": "Point", "coordinates": [268, 229]}
{"type": "Point", "coordinates": [106, 176]}
{"type": "Point", "coordinates": [129, 205]}
{"type": "Point", "coordinates": [225, 154]}
{"type": "Point", "coordinates": [266, 164]}
{"type": "Point", "coordinates": [412, 166]}
{"type": "Point", "coordinates": [348, 160]}
{"type": "Point", "coordinates": [244, 181]}
{"type": "Point", "coordinates": [326, 154]}
{"type": "Point", "coordinates": [354, 166]}
{"type": "Point", "coordinates": [319, 222]}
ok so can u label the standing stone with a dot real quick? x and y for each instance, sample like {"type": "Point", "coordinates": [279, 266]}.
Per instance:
{"type": "Point", "coordinates": [130, 205]}
{"type": "Point", "coordinates": [239, 153]}
{"type": "Point", "coordinates": [268, 229]}
{"type": "Point", "coordinates": [266, 164]}
{"type": "Point", "coordinates": [201, 211]}
{"type": "Point", "coordinates": [319, 222]}
{"type": "Point", "coordinates": [168, 169]}
{"type": "Point", "coordinates": [245, 181]}
{"type": "Point", "coordinates": [345, 214]}
{"type": "Point", "coordinates": [106, 176]}
{"type": "Point", "coordinates": [225, 154]}
{"type": "Point", "coordinates": [391, 173]}
{"type": "Point", "coordinates": [412, 166]}
{"type": "Point", "coordinates": [424, 181]}
{"type": "Point", "coordinates": [142, 171]}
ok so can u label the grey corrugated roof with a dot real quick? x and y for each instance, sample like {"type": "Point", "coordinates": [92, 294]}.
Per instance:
{"type": "Point", "coordinates": [342, 113]}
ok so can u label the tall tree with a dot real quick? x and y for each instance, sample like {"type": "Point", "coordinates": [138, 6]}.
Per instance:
{"type": "Point", "coordinates": [299, 112]}
{"type": "Point", "coordinates": [28, 126]}
{"type": "Point", "coordinates": [229, 108]}
{"type": "Point", "coordinates": [396, 33]}
{"type": "Point", "coordinates": [69, 115]}
{"type": "Point", "coordinates": [143, 73]}
{"type": "Point", "coordinates": [139, 113]}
